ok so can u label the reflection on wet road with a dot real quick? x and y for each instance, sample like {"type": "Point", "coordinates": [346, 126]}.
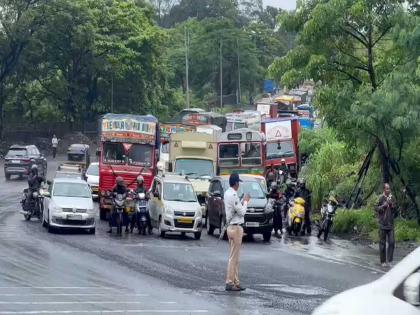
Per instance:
{"type": "Point", "coordinates": [77, 273]}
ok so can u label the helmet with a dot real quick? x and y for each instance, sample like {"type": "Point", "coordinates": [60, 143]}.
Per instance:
{"type": "Point", "coordinates": [34, 167]}
{"type": "Point", "coordinates": [333, 200]}
{"type": "Point", "coordinates": [283, 161]}
{"type": "Point", "coordinates": [300, 201]}
{"type": "Point", "coordinates": [273, 185]}
{"type": "Point", "coordinates": [140, 179]}
{"type": "Point", "coordinates": [119, 180]}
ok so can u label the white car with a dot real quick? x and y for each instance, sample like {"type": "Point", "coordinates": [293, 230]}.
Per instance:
{"type": "Point", "coordinates": [92, 178]}
{"type": "Point", "coordinates": [174, 206]}
{"type": "Point", "coordinates": [397, 292]}
{"type": "Point", "coordinates": [68, 204]}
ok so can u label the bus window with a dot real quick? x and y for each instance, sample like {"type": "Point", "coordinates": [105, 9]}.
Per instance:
{"type": "Point", "coordinates": [114, 153]}
{"type": "Point", "coordinates": [229, 154]}
{"type": "Point", "coordinates": [251, 153]}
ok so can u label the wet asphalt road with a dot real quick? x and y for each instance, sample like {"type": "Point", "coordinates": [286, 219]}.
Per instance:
{"type": "Point", "coordinates": [77, 273]}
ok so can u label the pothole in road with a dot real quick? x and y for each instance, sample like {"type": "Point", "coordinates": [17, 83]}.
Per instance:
{"type": "Point", "coordinates": [298, 290]}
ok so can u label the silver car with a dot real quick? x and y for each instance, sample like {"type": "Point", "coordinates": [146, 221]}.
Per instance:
{"type": "Point", "coordinates": [174, 206]}
{"type": "Point", "coordinates": [68, 204]}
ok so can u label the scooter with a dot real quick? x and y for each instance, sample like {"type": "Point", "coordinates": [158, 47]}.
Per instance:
{"type": "Point", "coordinates": [141, 214]}
{"type": "Point", "coordinates": [296, 216]}
{"type": "Point", "coordinates": [119, 207]}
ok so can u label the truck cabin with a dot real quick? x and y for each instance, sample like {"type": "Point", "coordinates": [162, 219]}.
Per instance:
{"type": "Point", "coordinates": [205, 118]}
{"type": "Point", "coordinates": [235, 123]}
{"type": "Point", "coordinates": [241, 151]}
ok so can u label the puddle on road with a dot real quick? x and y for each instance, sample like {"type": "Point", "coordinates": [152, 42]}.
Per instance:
{"type": "Point", "coordinates": [298, 289]}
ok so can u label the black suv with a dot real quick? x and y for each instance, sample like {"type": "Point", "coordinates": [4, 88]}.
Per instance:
{"type": "Point", "coordinates": [259, 215]}
{"type": "Point", "coordinates": [20, 158]}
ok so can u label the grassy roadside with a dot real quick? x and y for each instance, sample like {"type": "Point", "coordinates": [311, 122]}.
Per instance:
{"type": "Point", "coordinates": [363, 224]}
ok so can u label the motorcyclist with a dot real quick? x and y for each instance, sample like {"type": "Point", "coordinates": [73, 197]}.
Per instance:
{"type": "Point", "coordinates": [304, 193]}
{"type": "Point", "coordinates": [277, 219]}
{"type": "Point", "coordinates": [141, 189]}
{"type": "Point", "coordinates": [332, 202]}
{"type": "Point", "coordinates": [34, 184]}
{"type": "Point", "coordinates": [283, 167]}
{"type": "Point", "coordinates": [119, 189]}
{"type": "Point", "coordinates": [270, 177]}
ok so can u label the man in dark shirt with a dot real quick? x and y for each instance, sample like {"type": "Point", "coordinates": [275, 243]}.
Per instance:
{"type": "Point", "coordinates": [385, 212]}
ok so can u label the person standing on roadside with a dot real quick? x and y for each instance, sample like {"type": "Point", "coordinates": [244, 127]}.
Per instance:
{"type": "Point", "coordinates": [54, 143]}
{"type": "Point", "coordinates": [385, 212]}
{"type": "Point", "coordinates": [235, 212]}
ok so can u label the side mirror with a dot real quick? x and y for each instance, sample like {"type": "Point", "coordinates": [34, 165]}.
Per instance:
{"type": "Point", "coordinates": [156, 195]}
{"type": "Point", "coordinates": [49, 182]}
{"type": "Point", "coordinates": [170, 167]}
{"type": "Point", "coordinates": [412, 289]}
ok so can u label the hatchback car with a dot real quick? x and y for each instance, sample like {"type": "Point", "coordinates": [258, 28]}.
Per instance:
{"type": "Point", "coordinates": [68, 204]}
{"type": "Point", "coordinates": [259, 215]}
{"type": "Point", "coordinates": [174, 206]}
{"type": "Point", "coordinates": [20, 158]}
{"type": "Point", "coordinates": [92, 178]}
{"type": "Point", "coordinates": [397, 292]}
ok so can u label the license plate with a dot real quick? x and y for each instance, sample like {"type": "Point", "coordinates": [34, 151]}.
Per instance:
{"type": "Point", "coordinates": [252, 224]}
{"type": "Point", "coordinates": [15, 161]}
{"type": "Point", "coordinates": [74, 217]}
{"type": "Point", "coordinates": [184, 220]}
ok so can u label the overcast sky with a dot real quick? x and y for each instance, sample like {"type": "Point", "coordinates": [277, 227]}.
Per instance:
{"type": "Point", "coordinates": [284, 4]}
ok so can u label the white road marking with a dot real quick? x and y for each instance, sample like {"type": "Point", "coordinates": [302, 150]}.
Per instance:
{"type": "Point", "coordinates": [167, 302]}
{"type": "Point", "coordinates": [108, 312]}
{"type": "Point", "coordinates": [72, 294]}
{"type": "Point", "coordinates": [79, 288]}
{"type": "Point", "coordinates": [68, 302]}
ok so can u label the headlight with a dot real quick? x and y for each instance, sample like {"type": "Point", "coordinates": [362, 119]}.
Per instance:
{"type": "Point", "coordinates": [169, 211]}
{"type": "Point", "coordinates": [92, 210]}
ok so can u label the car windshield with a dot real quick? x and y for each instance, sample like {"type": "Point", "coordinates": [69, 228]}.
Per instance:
{"type": "Point", "coordinates": [253, 188]}
{"type": "Point", "coordinates": [274, 152]}
{"type": "Point", "coordinates": [93, 170]}
{"type": "Point", "coordinates": [140, 154]}
{"type": "Point", "coordinates": [114, 153]}
{"type": "Point", "coordinates": [194, 167]}
{"type": "Point", "coordinates": [72, 190]}
{"type": "Point", "coordinates": [179, 192]}
{"type": "Point", "coordinates": [16, 152]}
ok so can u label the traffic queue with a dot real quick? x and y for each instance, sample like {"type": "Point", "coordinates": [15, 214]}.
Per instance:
{"type": "Point", "coordinates": [172, 176]}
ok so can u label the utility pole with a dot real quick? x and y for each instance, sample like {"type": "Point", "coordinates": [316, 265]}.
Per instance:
{"type": "Point", "coordinates": [112, 92]}
{"type": "Point", "coordinates": [187, 44]}
{"type": "Point", "coordinates": [239, 72]}
{"type": "Point", "coordinates": [221, 73]}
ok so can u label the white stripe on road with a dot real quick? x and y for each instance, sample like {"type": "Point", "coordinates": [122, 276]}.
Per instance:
{"type": "Point", "coordinates": [68, 302]}
{"type": "Point", "coordinates": [79, 288]}
{"type": "Point", "coordinates": [108, 312]}
{"type": "Point", "coordinates": [168, 302]}
{"type": "Point", "coordinates": [72, 294]}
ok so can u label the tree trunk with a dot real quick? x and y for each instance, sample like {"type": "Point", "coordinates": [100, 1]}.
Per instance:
{"type": "Point", "coordinates": [384, 160]}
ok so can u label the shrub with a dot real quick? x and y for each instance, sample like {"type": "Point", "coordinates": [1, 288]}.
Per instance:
{"type": "Point", "coordinates": [406, 231]}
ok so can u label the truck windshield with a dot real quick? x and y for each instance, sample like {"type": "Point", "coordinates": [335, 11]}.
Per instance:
{"type": "Point", "coordinates": [178, 192]}
{"type": "Point", "coordinates": [114, 153]}
{"type": "Point", "coordinates": [274, 152]}
{"type": "Point", "coordinates": [194, 167]}
{"type": "Point", "coordinates": [140, 154]}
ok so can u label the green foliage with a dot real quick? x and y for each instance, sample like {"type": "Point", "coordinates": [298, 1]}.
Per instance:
{"type": "Point", "coordinates": [311, 141]}
{"type": "Point", "coordinates": [407, 231]}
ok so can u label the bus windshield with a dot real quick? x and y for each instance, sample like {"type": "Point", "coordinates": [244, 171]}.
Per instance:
{"type": "Point", "coordinates": [251, 153]}
{"type": "Point", "coordinates": [274, 151]}
{"type": "Point", "coordinates": [229, 154]}
{"type": "Point", "coordinates": [140, 154]}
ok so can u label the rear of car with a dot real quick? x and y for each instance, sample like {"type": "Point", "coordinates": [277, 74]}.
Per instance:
{"type": "Point", "coordinates": [92, 178]}
{"type": "Point", "coordinates": [17, 162]}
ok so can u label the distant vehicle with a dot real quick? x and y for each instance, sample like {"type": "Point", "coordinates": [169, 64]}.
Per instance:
{"type": "Point", "coordinates": [68, 204]}
{"type": "Point", "coordinates": [241, 151]}
{"type": "Point", "coordinates": [269, 86]}
{"type": "Point", "coordinates": [79, 153]}
{"type": "Point", "coordinates": [174, 206]}
{"type": "Point", "coordinates": [20, 158]}
{"type": "Point", "coordinates": [67, 174]}
{"type": "Point", "coordinates": [396, 292]}
{"type": "Point", "coordinates": [92, 178]}
{"type": "Point", "coordinates": [259, 215]}
{"type": "Point", "coordinates": [205, 118]}
{"type": "Point", "coordinates": [245, 119]}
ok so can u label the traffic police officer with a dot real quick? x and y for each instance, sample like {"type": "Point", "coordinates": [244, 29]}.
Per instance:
{"type": "Point", "coordinates": [235, 213]}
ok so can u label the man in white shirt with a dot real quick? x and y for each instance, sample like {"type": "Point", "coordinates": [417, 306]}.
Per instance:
{"type": "Point", "coordinates": [54, 143]}
{"type": "Point", "coordinates": [235, 213]}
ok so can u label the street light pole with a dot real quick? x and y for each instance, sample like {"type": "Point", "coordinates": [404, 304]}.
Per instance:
{"type": "Point", "coordinates": [221, 73]}
{"type": "Point", "coordinates": [239, 73]}
{"type": "Point", "coordinates": [112, 92]}
{"type": "Point", "coordinates": [187, 43]}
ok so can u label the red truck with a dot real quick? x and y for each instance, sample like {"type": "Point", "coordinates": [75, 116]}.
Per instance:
{"type": "Point", "coordinates": [282, 136]}
{"type": "Point", "coordinates": [129, 147]}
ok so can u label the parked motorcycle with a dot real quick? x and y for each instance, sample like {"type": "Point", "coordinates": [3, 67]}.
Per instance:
{"type": "Point", "coordinates": [119, 207]}
{"type": "Point", "coordinates": [32, 205]}
{"type": "Point", "coordinates": [328, 213]}
{"type": "Point", "coordinates": [141, 214]}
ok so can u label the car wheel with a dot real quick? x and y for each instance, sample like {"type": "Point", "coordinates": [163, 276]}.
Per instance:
{"type": "Point", "coordinates": [27, 217]}
{"type": "Point", "coordinates": [160, 231]}
{"type": "Point", "coordinates": [210, 228]}
{"type": "Point", "coordinates": [44, 222]}
{"type": "Point", "coordinates": [267, 236]}
{"type": "Point", "coordinates": [222, 224]}
{"type": "Point", "coordinates": [197, 235]}
{"type": "Point", "coordinates": [92, 231]}
{"type": "Point", "coordinates": [50, 228]}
